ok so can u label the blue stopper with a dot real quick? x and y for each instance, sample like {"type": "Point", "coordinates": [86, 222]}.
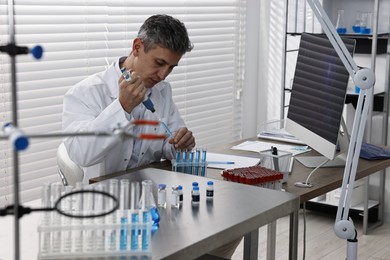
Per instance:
{"type": "Point", "coordinates": [21, 143]}
{"type": "Point", "coordinates": [37, 52]}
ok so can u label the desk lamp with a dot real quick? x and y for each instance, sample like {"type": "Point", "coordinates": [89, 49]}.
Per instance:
{"type": "Point", "coordinates": [364, 78]}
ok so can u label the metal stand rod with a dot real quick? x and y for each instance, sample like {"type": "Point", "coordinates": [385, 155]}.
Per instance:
{"type": "Point", "coordinates": [11, 21]}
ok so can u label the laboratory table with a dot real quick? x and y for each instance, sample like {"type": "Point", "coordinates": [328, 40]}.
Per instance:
{"type": "Point", "coordinates": [324, 180]}
{"type": "Point", "coordinates": [236, 210]}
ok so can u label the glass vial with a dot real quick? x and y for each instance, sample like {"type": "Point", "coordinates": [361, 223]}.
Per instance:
{"type": "Point", "coordinates": [340, 24]}
{"type": "Point", "coordinates": [180, 190]}
{"type": "Point", "coordinates": [161, 196]}
{"type": "Point", "coordinates": [210, 190]}
{"type": "Point", "coordinates": [195, 195]}
{"type": "Point", "coordinates": [175, 197]}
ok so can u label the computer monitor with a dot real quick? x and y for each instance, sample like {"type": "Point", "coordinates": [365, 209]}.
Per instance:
{"type": "Point", "coordinates": [317, 99]}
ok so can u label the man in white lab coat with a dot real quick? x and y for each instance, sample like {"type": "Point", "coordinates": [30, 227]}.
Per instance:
{"type": "Point", "coordinates": [106, 100]}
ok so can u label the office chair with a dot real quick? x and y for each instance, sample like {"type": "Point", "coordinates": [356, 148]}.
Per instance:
{"type": "Point", "coordinates": [69, 171]}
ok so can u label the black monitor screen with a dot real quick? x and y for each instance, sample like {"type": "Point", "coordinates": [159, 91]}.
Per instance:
{"type": "Point", "coordinates": [319, 86]}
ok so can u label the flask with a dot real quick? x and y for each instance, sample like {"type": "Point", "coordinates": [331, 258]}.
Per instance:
{"type": "Point", "coordinates": [161, 196]}
{"type": "Point", "coordinates": [210, 190]}
{"type": "Point", "coordinates": [358, 19]}
{"type": "Point", "coordinates": [175, 197]}
{"type": "Point", "coordinates": [366, 23]}
{"type": "Point", "coordinates": [340, 25]}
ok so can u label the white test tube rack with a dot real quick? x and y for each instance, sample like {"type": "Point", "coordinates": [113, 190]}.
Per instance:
{"type": "Point", "coordinates": [47, 231]}
{"type": "Point", "coordinates": [93, 237]}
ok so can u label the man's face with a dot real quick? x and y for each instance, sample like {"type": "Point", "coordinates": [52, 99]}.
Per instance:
{"type": "Point", "coordinates": [155, 65]}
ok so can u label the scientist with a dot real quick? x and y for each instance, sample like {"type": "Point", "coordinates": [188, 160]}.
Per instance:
{"type": "Point", "coordinates": [106, 100]}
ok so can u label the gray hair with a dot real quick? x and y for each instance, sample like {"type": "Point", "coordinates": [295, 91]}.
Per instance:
{"type": "Point", "coordinates": [166, 32]}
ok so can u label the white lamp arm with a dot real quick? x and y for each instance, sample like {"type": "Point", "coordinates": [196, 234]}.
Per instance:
{"type": "Point", "coordinates": [365, 79]}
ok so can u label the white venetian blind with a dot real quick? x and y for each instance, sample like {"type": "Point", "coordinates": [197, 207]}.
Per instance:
{"type": "Point", "coordinates": [80, 38]}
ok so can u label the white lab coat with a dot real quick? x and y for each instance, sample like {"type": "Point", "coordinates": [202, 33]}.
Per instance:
{"type": "Point", "coordinates": [93, 105]}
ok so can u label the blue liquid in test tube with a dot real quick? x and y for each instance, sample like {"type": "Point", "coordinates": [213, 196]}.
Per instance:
{"type": "Point", "coordinates": [145, 230]}
{"type": "Point", "coordinates": [197, 161]}
{"type": "Point", "coordinates": [190, 162]}
{"type": "Point", "coordinates": [134, 215]}
{"type": "Point", "coordinates": [123, 234]}
{"type": "Point", "coordinates": [124, 194]}
{"type": "Point", "coordinates": [203, 173]}
{"type": "Point", "coordinates": [178, 160]}
{"type": "Point", "coordinates": [185, 161]}
{"type": "Point", "coordinates": [134, 231]}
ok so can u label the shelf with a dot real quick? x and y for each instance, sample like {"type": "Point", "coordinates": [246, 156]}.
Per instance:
{"type": "Point", "coordinates": [377, 103]}
{"type": "Point", "coordinates": [371, 204]}
{"type": "Point", "coordinates": [364, 42]}
{"type": "Point", "coordinates": [355, 212]}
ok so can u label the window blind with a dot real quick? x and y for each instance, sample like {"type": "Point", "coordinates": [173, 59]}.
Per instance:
{"type": "Point", "coordinates": [80, 38]}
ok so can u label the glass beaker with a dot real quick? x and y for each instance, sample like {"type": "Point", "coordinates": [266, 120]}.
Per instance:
{"type": "Point", "coordinates": [340, 24]}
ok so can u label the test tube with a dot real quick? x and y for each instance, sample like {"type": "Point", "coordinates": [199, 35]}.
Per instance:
{"type": "Point", "coordinates": [44, 236]}
{"type": "Point", "coordinates": [99, 208]}
{"type": "Point", "coordinates": [134, 199]}
{"type": "Point", "coordinates": [146, 204]}
{"type": "Point", "coordinates": [66, 206]}
{"type": "Point", "coordinates": [203, 168]}
{"type": "Point", "coordinates": [190, 162]}
{"type": "Point", "coordinates": [77, 234]}
{"type": "Point", "coordinates": [185, 161]}
{"type": "Point", "coordinates": [197, 161]}
{"type": "Point", "coordinates": [111, 236]}
{"type": "Point", "coordinates": [56, 192]}
{"type": "Point", "coordinates": [178, 161]}
{"type": "Point", "coordinates": [88, 210]}
{"type": "Point", "coordinates": [124, 189]}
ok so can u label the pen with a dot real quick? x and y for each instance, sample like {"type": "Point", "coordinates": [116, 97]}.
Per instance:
{"type": "Point", "coordinates": [274, 151]}
{"type": "Point", "coordinates": [220, 162]}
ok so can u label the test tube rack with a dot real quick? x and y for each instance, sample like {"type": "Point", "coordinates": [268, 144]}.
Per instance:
{"type": "Point", "coordinates": [124, 232]}
{"type": "Point", "coordinates": [255, 175]}
{"type": "Point", "coordinates": [71, 241]}
{"type": "Point", "coordinates": [193, 168]}
{"type": "Point", "coordinates": [190, 162]}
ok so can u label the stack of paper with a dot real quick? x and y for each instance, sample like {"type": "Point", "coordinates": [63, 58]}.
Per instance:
{"type": "Point", "coordinates": [226, 161]}
{"type": "Point", "coordinates": [259, 146]}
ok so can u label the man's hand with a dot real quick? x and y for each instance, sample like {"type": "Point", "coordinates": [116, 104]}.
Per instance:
{"type": "Point", "coordinates": [131, 93]}
{"type": "Point", "coordinates": [184, 140]}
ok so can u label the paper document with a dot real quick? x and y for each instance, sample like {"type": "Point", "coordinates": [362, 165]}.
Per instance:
{"type": "Point", "coordinates": [279, 135]}
{"type": "Point", "coordinates": [258, 146]}
{"type": "Point", "coordinates": [223, 161]}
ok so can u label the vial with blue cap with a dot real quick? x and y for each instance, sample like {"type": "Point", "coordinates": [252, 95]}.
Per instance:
{"type": "Point", "coordinates": [180, 189]}
{"type": "Point", "coordinates": [210, 190]}
{"type": "Point", "coordinates": [161, 196]}
{"type": "Point", "coordinates": [195, 195]}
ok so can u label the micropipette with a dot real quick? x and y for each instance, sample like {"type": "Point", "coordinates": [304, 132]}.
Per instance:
{"type": "Point", "coordinates": [147, 103]}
